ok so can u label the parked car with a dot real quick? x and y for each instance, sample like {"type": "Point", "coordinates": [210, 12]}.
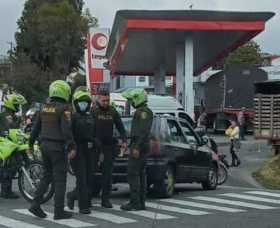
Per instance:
{"type": "Point", "coordinates": [173, 157]}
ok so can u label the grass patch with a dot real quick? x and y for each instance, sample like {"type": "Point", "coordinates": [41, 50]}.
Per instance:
{"type": "Point", "coordinates": [269, 174]}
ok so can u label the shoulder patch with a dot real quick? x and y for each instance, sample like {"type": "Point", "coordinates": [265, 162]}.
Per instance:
{"type": "Point", "coordinates": [49, 109]}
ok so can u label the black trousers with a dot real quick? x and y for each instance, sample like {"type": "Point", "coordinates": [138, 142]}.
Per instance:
{"type": "Point", "coordinates": [107, 169]}
{"type": "Point", "coordinates": [55, 164]}
{"type": "Point", "coordinates": [83, 168]}
{"type": "Point", "coordinates": [6, 181]}
{"type": "Point", "coordinates": [137, 179]}
{"type": "Point", "coordinates": [234, 158]}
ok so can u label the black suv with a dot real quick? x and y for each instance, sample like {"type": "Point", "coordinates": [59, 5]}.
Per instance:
{"type": "Point", "coordinates": [177, 154]}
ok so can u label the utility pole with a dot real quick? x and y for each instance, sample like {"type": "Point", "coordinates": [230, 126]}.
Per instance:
{"type": "Point", "coordinates": [11, 46]}
{"type": "Point", "coordinates": [10, 52]}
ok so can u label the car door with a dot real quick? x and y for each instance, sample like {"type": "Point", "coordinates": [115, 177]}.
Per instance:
{"type": "Point", "coordinates": [181, 150]}
{"type": "Point", "coordinates": [202, 154]}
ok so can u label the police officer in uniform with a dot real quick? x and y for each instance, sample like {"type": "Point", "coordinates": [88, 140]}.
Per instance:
{"type": "Point", "coordinates": [53, 124]}
{"type": "Point", "coordinates": [140, 131]}
{"type": "Point", "coordinates": [82, 125]}
{"type": "Point", "coordinates": [9, 120]}
{"type": "Point", "coordinates": [105, 118]}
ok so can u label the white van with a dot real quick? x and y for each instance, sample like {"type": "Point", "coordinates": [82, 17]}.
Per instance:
{"type": "Point", "coordinates": [158, 104]}
{"type": "Point", "coordinates": [169, 105]}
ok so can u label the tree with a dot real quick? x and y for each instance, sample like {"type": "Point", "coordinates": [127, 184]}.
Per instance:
{"type": "Point", "coordinates": [92, 21]}
{"type": "Point", "coordinates": [52, 33]}
{"type": "Point", "coordinates": [249, 53]}
{"type": "Point", "coordinates": [50, 44]}
{"type": "Point", "coordinates": [28, 79]}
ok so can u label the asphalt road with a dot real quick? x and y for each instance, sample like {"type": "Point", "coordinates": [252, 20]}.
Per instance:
{"type": "Point", "coordinates": [240, 202]}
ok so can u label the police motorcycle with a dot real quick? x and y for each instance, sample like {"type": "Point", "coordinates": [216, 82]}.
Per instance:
{"type": "Point", "coordinates": [15, 161]}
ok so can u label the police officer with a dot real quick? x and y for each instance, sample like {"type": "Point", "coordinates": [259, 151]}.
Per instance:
{"type": "Point", "coordinates": [82, 125]}
{"type": "Point", "coordinates": [9, 120]}
{"type": "Point", "coordinates": [140, 131]}
{"type": "Point", "coordinates": [105, 118]}
{"type": "Point", "coordinates": [53, 123]}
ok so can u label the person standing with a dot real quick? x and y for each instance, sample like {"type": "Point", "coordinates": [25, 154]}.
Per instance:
{"type": "Point", "coordinates": [233, 133]}
{"type": "Point", "coordinates": [82, 125]}
{"type": "Point", "coordinates": [105, 118]}
{"type": "Point", "coordinates": [202, 120]}
{"type": "Point", "coordinates": [140, 131]}
{"type": "Point", "coordinates": [53, 124]}
{"type": "Point", "coordinates": [241, 122]}
{"type": "Point", "coordinates": [9, 120]}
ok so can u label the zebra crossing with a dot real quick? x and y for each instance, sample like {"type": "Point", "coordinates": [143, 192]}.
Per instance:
{"type": "Point", "coordinates": [160, 210]}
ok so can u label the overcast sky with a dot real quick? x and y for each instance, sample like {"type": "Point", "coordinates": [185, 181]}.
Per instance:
{"type": "Point", "coordinates": [10, 11]}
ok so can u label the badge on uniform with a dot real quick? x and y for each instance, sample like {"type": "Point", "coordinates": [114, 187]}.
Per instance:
{"type": "Point", "coordinates": [67, 115]}
{"type": "Point", "coordinates": [144, 115]}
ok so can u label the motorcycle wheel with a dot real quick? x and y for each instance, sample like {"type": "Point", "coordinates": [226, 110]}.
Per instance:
{"type": "Point", "coordinates": [35, 170]}
{"type": "Point", "coordinates": [222, 174]}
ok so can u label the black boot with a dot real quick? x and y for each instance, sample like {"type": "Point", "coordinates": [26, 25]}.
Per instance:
{"type": "Point", "coordinates": [85, 211]}
{"type": "Point", "coordinates": [61, 214]}
{"type": "Point", "coordinates": [142, 201]}
{"type": "Point", "coordinates": [131, 207]}
{"type": "Point", "coordinates": [106, 203]}
{"type": "Point", "coordinates": [143, 206]}
{"type": "Point", "coordinates": [70, 201]}
{"type": "Point", "coordinates": [90, 204]}
{"type": "Point", "coordinates": [36, 210]}
{"type": "Point", "coordinates": [238, 163]}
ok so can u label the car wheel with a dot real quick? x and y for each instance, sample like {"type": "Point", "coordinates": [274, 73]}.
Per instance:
{"type": "Point", "coordinates": [212, 179]}
{"type": "Point", "coordinates": [165, 187]}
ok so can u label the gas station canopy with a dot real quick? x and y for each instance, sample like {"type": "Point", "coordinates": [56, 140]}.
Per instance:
{"type": "Point", "coordinates": [142, 40]}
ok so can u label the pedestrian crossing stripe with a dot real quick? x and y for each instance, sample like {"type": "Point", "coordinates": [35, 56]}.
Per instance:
{"type": "Point", "coordinates": [146, 214]}
{"type": "Point", "coordinates": [264, 193]}
{"type": "Point", "coordinates": [66, 222]}
{"type": "Point", "coordinates": [201, 205]}
{"type": "Point", "coordinates": [109, 217]}
{"type": "Point", "coordinates": [194, 206]}
{"type": "Point", "coordinates": [233, 202]}
{"type": "Point", "coordinates": [176, 209]}
{"type": "Point", "coordinates": [12, 223]}
{"type": "Point", "coordinates": [253, 198]}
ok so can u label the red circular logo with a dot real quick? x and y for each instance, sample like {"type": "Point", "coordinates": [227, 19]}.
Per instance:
{"type": "Point", "coordinates": [99, 41]}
